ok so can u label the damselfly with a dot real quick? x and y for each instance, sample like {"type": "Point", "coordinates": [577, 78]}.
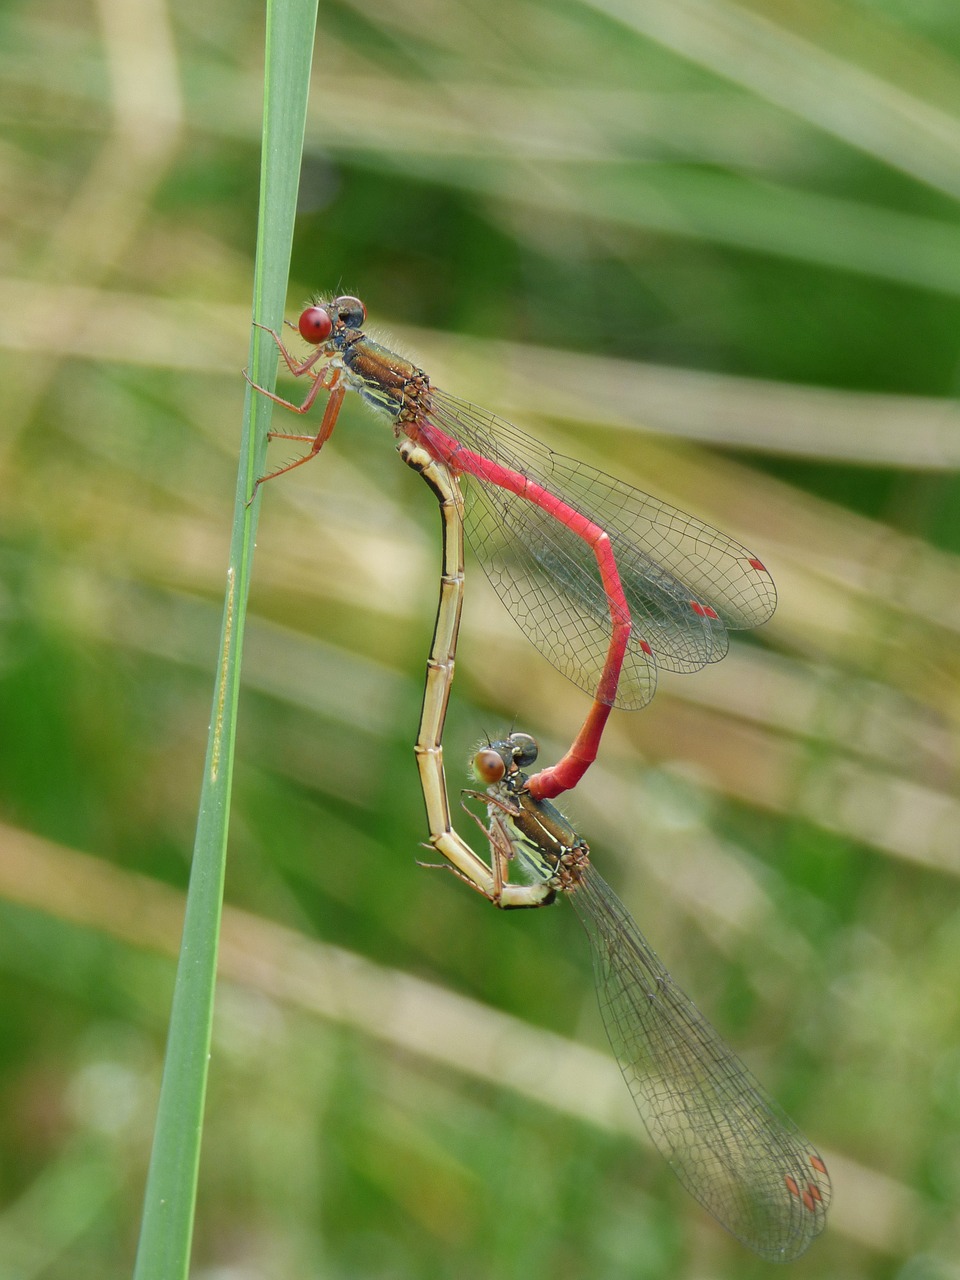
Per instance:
{"type": "Point", "coordinates": [725, 1138]}
{"type": "Point", "coordinates": [609, 583]}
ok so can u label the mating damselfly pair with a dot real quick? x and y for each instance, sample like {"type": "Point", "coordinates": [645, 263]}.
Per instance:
{"type": "Point", "coordinates": [612, 585]}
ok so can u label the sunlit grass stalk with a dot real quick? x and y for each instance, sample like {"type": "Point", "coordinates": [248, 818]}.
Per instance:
{"type": "Point", "coordinates": [169, 1203]}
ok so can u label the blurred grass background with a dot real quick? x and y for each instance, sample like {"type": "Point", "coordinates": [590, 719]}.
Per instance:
{"type": "Point", "coordinates": [714, 249]}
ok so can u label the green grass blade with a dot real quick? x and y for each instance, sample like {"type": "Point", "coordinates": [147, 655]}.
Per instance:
{"type": "Point", "coordinates": [167, 1225]}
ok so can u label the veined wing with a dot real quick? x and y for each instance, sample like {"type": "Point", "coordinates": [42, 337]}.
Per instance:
{"type": "Point", "coordinates": [727, 1141]}
{"type": "Point", "coordinates": [684, 582]}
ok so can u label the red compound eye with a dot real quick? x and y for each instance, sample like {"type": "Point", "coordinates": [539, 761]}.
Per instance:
{"type": "Point", "coordinates": [315, 325]}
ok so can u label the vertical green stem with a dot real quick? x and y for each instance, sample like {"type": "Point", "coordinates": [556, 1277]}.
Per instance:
{"type": "Point", "coordinates": [169, 1202]}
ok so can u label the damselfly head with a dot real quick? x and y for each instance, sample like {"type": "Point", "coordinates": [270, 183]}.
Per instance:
{"type": "Point", "coordinates": [495, 760]}
{"type": "Point", "coordinates": [318, 321]}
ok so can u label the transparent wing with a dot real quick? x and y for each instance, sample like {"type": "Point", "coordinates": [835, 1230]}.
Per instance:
{"type": "Point", "coordinates": [727, 1141]}
{"type": "Point", "coordinates": [548, 579]}
{"type": "Point", "coordinates": [685, 583]}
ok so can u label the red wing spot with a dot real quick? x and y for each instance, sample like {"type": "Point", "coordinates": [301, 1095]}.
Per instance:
{"type": "Point", "coordinates": [646, 648]}
{"type": "Point", "coordinates": [758, 565]}
{"type": "Point", "coordinates": [814, 1192]}
{"type": "Point", "coordinates": [704, 610]}
{"type": "Point", "coordinates": [818, 1164]}
{"type": "Point", "coordinates": [809, 1201]}
{"type": "Point", "coordinates": [792, 1186]}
